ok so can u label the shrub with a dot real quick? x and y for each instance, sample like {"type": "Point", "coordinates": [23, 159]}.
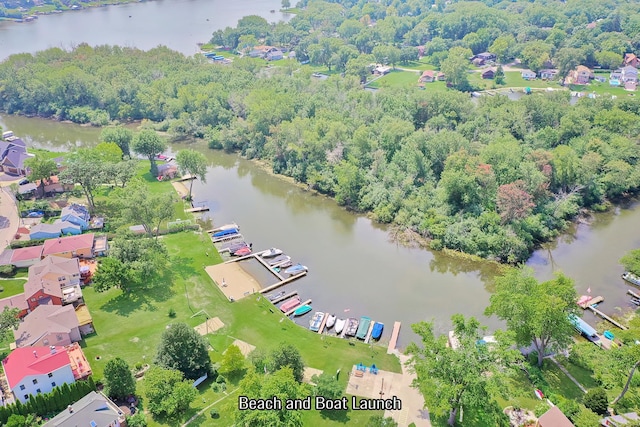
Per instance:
{"type": "Point", "coordinates": [137, 420]}
{"type": "Point", "coordinates": [7, 270]}
{"type": "Point", "coordinates": [221, 379]}
{"type": "Point", "coordinates": [214, 413]}
{"type": "Point", "coordinates": [596, 400]}
{"type": "Point", "coordinates": [172, 313]}
{"type": "Point", "coordinates": [138, 366]}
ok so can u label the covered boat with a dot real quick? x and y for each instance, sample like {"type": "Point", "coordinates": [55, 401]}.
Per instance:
{"type": "Point", "coordinates": [296, 269]}
{"type": "Point", "coordinates": [270, 253]}
{"type": "Point", "coordinates": [631, 278]}
{"type": "Point", "coordinates": [226, 227]}
{"type": "Point", "coordinates": [283, 264]}
{"type": "Point", "coordinates": [352, 327]}
{"type": "Point", "coordinates": [340, 325]}
{"type": "Point", "coordinates": [331, 320]}
{"type": "Point", "coordinates": [242, 251]}
{"type": "Point", "coordinates": [227, 232]}
{"type": "Point", "coordinates": [363, 328]}
{"type": "Point", "coordinates": [316, 321]}
{"type": "Point", "coordinates": [302, 310]}
{"type": "Point", "coordinates": [377, 330]}
{"type": "Point", "coordinates": [278, 260]}
{"type": "Point", "coordinates": [290, 305]}
{"type": "Point", "coordinates": [276, 295]}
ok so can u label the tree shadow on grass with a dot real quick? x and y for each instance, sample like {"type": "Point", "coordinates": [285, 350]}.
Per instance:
{"type": "Point", "coordinates": [181, 267]}
{"type": "Point", "coordinates": [143, 296]}
{"type": "Point", "coordinates": [337, 416]}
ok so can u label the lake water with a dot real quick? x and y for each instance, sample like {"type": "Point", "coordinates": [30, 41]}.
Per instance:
{"type": "Point", "coordinates": [178, 24]}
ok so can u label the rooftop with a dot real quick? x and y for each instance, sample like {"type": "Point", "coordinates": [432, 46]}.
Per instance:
{"type": "Point", "coordinates": [95, 409]}
{"type": "Point", "coordinates": [25, 254]}
{"type": "Point", "coordinates": [27, 361]}
{"type": "Point", "coordinates": [44, 320]}
{"type": "Point", "coordinates": [67, 244]}
{"type": "Point", "coordinates": [554, 418]}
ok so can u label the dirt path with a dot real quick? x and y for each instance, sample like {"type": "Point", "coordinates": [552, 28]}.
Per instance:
{"type": "Point", "coordinates": [563, 369]}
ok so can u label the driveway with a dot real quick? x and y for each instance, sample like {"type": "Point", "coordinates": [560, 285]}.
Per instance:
{"type": "Point", "coordinates": [9, 220]}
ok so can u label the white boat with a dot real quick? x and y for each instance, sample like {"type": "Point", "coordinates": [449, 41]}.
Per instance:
{"type": "Point", "coordinates": [340, 325]}
{"type": "Point", "coordinates": [331, 320]}
{"type": "Point", "coordinates": [316, 321]}
{"type": "Point", "coordinates": [270, 253]}
{"type": "Point", "coordinates": [276, 262]}
{"type": "Point", "coordinates": [296, 269]}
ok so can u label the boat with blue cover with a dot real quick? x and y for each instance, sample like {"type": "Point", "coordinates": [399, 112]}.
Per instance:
{"type": "Point", "coordinates": [376, 333]}
{"type": "Point", "coordinates": [227, 232]}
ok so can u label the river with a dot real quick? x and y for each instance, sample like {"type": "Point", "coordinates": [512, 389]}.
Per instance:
{"type": "Point", "coordinates": [352, 264]}
{"type": "Point", "coordinates": [178, 24]}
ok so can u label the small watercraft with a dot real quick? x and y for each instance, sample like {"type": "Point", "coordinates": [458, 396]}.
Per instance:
{"type": "Point", "coordinates": [296, 269]}
{"type": "Point", "coordinates": [302, 310]}
{"type": "Point", "coordinates": [539, 394]}
{"type": "Point", "coordinates": [363, 327]}
{"type": "Point", "coordinates": [226, 232]}
{"type": "Point", "coordinates": [290, 305]}
{"type": "Point", "coordinates": [316, 321]}
{"type": "Point", "coordinates": [631, 278]}
{"type": "Point", "coordinates": [377, 330]}
{"type": "Point", "coordinates": [283, 264]}
{"type": "Point", "coordinates": [331, 320]}
{"type": "Point", "coordinates": [608, 335]}
{"type": "Point", "coordinates": [242, 251]}
{"type": "Point", "coordinates": [352, 327]}
{"type": "Point", "coordinates": [340, 325]}
{"type": "Point", "coordinates": [276, 296]}
{"type": "Point", "coordinates": [270, 253]}
{"type": "Point", "coordinates": [279, 260]}
{"type": "Point", "coordinates": [635, 301]}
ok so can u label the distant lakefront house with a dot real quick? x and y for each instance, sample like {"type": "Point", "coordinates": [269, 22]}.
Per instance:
{"type": "Point", "coordinates": [528, 75]}
{"type": "Point", "coordinates": [581, 75]}
{"type": "Point", "coordinates": [629, 74]}
{"type": "Point", "coordinates": [631, 59]}
{"type": "Point", "coordinates": [616, 74]}
{"type": "Point", "coordinates": [548, 74]}
{"type": "Point", "coordinates": [427, 76]}
{"type": "Point", "coordinates": [76, 214]}
{"type": "Point", "coordinates": [13, 153]}
{"type": "Point", "coordinates": [274, 54]}
{"type": "Point", "coordinates": [35, 370]}
{"type": "Point", "coordinates": [69, 247]}
{"type": "Point", "coordinates": [488, 74]}
{"type": "Point", "coordinates": [93, 410]}
{"type": "Point", "coordinates": [48, 325]}
{"type": "Point", "coordinates": [487, 56]}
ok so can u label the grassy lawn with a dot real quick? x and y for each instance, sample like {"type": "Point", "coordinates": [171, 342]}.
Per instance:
{"type": "Point", "coordinates": [603, 89]}
{"type": "Point", "coordinates": [396, 78]}
{"type": "Point", "coordinates": [584, 376]}
{"type": "Point", "coordinates": [12, 287]}
{"type": "Point", "coordinates": [417, 65]}
{"type": "Point", "coordinates": [559, 383]}
{"type": "Point", "coordinates": [130, 325]}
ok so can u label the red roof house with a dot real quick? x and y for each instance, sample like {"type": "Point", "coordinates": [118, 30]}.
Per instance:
{"type": "Point", "coordinates": [73, 246]}
{"type": "Point", "coordinates": [554, 418]}
{"type": "Point", "coordinates": [35, 370]}
{"type": "Point", "coordinates": [427, 76]}
{"type": "Point", "coordinates": [26, 257]}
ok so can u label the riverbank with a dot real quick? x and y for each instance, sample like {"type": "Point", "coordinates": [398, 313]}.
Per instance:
{"type": "Point", "coordinates": [30, 15]}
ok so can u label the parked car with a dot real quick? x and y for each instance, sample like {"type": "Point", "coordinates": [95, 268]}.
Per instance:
{"type": "Point", "coordinates": [23, 181]}
{"type": "Point", "coordinates": [35, 214]}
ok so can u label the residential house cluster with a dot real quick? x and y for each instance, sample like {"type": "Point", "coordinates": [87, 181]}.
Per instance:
{"type": "Point", "coordinates": [484, 58]}
{"type": "Point", "coordinates": [626, 77]}
{"type": "Point", "coordinates": [53, 314]}
{"type": "Point", "coordinates": [430, 76]}
{"type": "Point", "coordinates": [270, 53]}
{"type": "Point", "coordinates": [13, 153]}
{"type": "Point", "coordinates": [74, 219]}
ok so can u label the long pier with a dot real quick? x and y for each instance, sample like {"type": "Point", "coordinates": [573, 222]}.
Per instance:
{"type": "Point", "coordinates": [290, 312]}
{"type": "Point", "coordinates": [367, 337]}
{"type": "Point", "coordinates": [282, 282]}
{"type": "Point", "coordinates": [284, 297]}
{"type": "Point", "coordinates": [226, 238]}
{"type": "Point", "coordinates": [240, 258]}
{"type": "Point", "coordinates": [633, 294]}
{"type": "Point", "coordinates": [394, 337]}
{"type": "Point", "coordinates": [324, 322]}
{"type": "Point", "coordinates": [263, 262]}
{"type": "Point", "coordinates": [197, 209]}
{"type": "Point", "coordinates": [604, 316]}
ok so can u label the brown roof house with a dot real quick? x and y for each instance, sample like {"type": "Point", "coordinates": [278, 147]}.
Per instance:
{"type": "Point", "coordinates": [554, 418]}
{"type": "Point", "coordinates": [53, 281]}
{"type": "Point", "coordinates": [427, 76]}
{"type": "Point", "coordinates": [580, 76]}
{"type": "Point", "coordinates": [488, 73]}
{"type": "Point", "coordinates": [73, 246]}
{"type": "Point", "coordinates": [631, 59]}
{"type": "Point", "coordinates": [48, 325]}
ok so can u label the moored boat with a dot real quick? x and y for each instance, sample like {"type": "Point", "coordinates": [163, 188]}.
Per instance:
{"type": "Point", "coordinates": [282, 265]}
{"type": "Point", "coordinates": [243, 251]}
{"type": "Point", "coordinates": [631, 278]}
{"type": "Point", "coordinates": [280, 261]}
{"type": "Point", "coordinates": [225, 227]}
{"type": "Point", "coordinates": [331, 320]}
{"type": "Point", "coordinates": [352, 327]}
{"type": "Point", "coordinates": [376, 333]}
{"type": "Point", "coordinates": [290, 305]}
{"type": "Point", "coordinates": [302, 310]}
{"type": "Point", "coordinates": [270, 253]}
{"type": "Point", "coordinates": [340, 325]}
{"type": "Point", "coordinates": [226, 232]}
{"type": "Point", "coordinates": [276, 295]}
{"type": "Point", "coordinates": [363, 328]}
{"type": "Point", "coordinates": [316, 321]}
{"type": "Point", "coordinates": [296, 269]}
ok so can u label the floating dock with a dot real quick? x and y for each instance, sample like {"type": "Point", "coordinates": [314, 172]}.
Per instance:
{"type": "Point", "coordinates": [263, 262]}
{"type": "Point", "coordinates": [284, 297]}
{"type": "Point", "coordinates": [586, 301]}
{"type": "Point", "coordinates": [226, 238]}
{"type": "Point", "coordinates": [197, 209]}
{"type": "Point", "coordinates": [324, 322]}
{"type": "Point", "coordinates": [240, 258]}
{"type": "Point", "coordinates": [394, 337]}
{"type": "Point", "coordinates": [282, 282]}
{"type": "Point", "coordinates": [187, 177]}
{"type": "Point", "coordinates": [290, 312]}
{"type": "Point", "coordinates": [633, 294]}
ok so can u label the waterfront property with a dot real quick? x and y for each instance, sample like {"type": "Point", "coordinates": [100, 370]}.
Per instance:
{"type": "Point", "coordinates": [94, 409]}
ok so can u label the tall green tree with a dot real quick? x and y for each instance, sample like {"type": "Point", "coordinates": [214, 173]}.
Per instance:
{"type": "Point", "coordinates": [455, 67]}
{"type": "Point", "coordinates": [136, 205]}
{"type": "Point", "coordinates": [287, 355]}
{"type": "Point", "coordinates": [149, 144]}
{"type": "Point", "coordinates": [193, 163]}
{"type": "Point", "coordinates": [85, 167]}
{"type": "Point", "coordinates": [537, 313]}
{"type": "Point", "coordinates": [166, 391]}
{"type": "Point", "coordinates": [631, 261]}
{"type": "Point", "coordinates": [453, 378]}
{"type": "Point", "coordinates": [112, 273]}
{"type": "Point", "coordinates": [119, 135]}
{"type": "Point", "coordinates": [233, 361]}
{"type": "Point", "coordinates": [182, 348]}
{"type": "Point", "coordinates": [9, 320]}
{"type": "Point", "coordinates": [119, 380]}
{"type": "Point", "coordinates": [41, 169]}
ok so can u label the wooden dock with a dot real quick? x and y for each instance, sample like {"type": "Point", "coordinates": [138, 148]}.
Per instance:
{"type": "Point", "coordinates": [263, 262]}
{"type": "Point", "coordinates": [284, 297]}
{"type": "Point", "coordinates": [187, 177]}
{"type": "Point", "coordinates": [197, 209]}
{"type": "Point", "coordinates": [595, 300]}
{"type": "Point", "coordinates": [394, 338]}
{"type": "Point", "coordinates": [633, 294]}
{"type": "Point", "coordinates": [224, 227]}
{"type": "Point", "coordinates": [604, 316]}
{"type": "Point", "coordinates": [290, 312]}
{"type": "Point", "coordinates": [240, 258]}
{"type": "Point", "coordinates": [324, 322]}
{"type": "Point", "coordinates": [367, 337]}
{"type": "Point", "coordinates": [282, 282]}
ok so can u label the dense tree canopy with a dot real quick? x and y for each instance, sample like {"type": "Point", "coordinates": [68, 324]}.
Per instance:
{"type": "Point", "coordinates": [119, 381]}
{"type": "Point", "coordinates": [182, 348]}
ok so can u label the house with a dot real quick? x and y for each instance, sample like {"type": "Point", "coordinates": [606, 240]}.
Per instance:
{"type": "Point", "coordinates": [427, 76]}
{"type": "Point", "coordinates": [26, 257]}
{"type": "Point", "coordinates": [478, 62]}
{"type": "Point", "coordinates": [35, 370]}
{"type": "Point", "coordinates": [48, 325]}
{"type": "Point", "coordinates": [440, 76]}
{"type": "Point", "coordinates": [93, 410]}
{"type": "Point", "coordinates": [554, 418]}
{"type": "Point", "coordinates": [629, 74]}
{"type": "Point", "coordinates": [137, 230]}
{"type": "Point", "coordinates": [616, 74]}
{"type": "Point", "coordinates": [50, 231]}
{"type": "Point", "coordinates": [13, 162]}
{"type": "Point", "coordinates": [15, 301]}
{"type": "Point", "coordinates": [488, 74]}
{"type": "Point", "coordinates": [53, 281]}
{"type": "Point", "coordinates": [274, 54]}
{"type": "Point", "coordinates": [631, 59]}
{"type": "Point", "coordinates": [487, 56]}
{"type": "Point", "coordinates": [630, 86]}
{"type": "Point", "coordinates": [581, 75]}
{"type": "Point", "coordinates": [85, 321]}
{"type": "Point", "coordinates": [548, 74]}
{"type": "Point", "coordinates": [76, 214]}
{"type": "Point", "coordinates": [528, 75]}
{"type": "Point", "coordinates": [620, 420]}
{"type": "Point", "coordinates": [167, 170]}
{"type": "Point", "coordinates": [73, 246]}
{"type": "Point", "coordinates": [382, 70]}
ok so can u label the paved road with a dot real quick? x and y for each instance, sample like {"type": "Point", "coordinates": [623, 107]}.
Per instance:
{"type": "Point", "coordinates": [413, 410]}
{"type": "Point", "coordinates": [9, 220]}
